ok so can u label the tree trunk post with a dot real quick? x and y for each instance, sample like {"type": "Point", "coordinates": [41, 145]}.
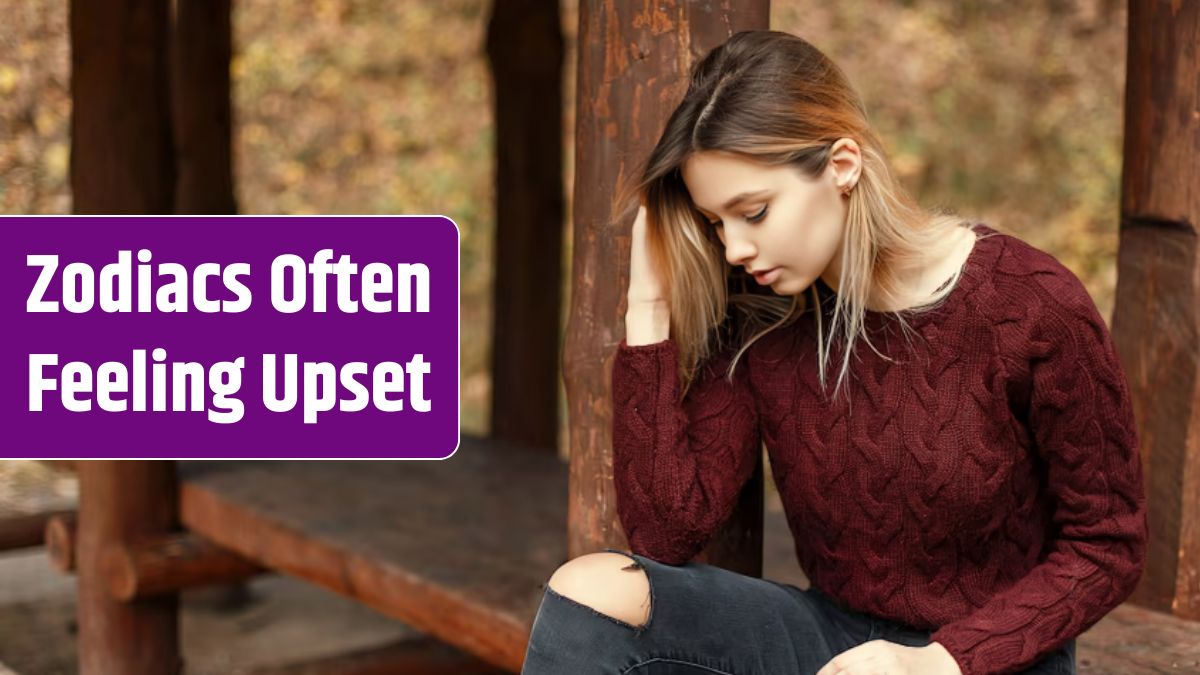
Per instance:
{"type": "Point", "coordinates": [633, 66]}
{"type": "Point", "coordinates": [1156, 320]}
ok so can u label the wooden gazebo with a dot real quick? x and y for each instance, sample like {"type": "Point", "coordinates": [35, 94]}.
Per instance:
{"type": "Point", "coordinates": [460, 549]}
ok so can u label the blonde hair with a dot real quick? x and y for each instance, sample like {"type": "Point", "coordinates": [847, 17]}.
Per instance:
{"type": "Point", "coordinates": [773, 97]}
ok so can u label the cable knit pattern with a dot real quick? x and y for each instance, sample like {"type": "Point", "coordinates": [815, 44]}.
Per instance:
{"type": "Point", "coordinates": [985, 484]}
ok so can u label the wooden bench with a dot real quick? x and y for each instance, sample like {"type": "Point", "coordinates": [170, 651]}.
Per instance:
{"type": "Point", "coordinates": [461, 549]}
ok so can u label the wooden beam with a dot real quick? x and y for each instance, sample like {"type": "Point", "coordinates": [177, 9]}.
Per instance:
{"type": "Point", "coordinates": [525, 51]}
{"type": "Point", "coordinates": [122, 502]}
{"type": "Point", "coordinates": [1156, 321]}
{"type": "Point", "coordinates": [201, 49]}
{"type": "Point", "coordinates": [24, 530]}
{"type": "Point", "coordinates": [171, 563]}
{"type": "Point", "coordinates": [62, 541]}
{"type": "Point", "coordinates": [151, 567]}
{"type": "Point", "coordinates": [631, 72]}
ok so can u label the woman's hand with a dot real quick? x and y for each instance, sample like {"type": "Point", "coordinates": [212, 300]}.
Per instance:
{"type": "Point", "coordinates": [645, 283]}
{"type": "Point", "coordinates": [880, 656]}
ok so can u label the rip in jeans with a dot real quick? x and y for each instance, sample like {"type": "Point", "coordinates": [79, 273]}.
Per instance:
{"type": "Point", "coordinates": [634, 566]}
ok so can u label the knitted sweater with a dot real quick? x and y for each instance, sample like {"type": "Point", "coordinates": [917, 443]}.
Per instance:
{"type": "Point", "coordinates": [985, 484]}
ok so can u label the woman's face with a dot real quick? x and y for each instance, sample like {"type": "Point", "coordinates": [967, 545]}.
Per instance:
{"type": "Point", "coordinates": [783, 220]}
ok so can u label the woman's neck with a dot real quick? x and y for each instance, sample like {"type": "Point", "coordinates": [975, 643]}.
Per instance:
{"type": "Point", "coordinates": [940, 266]}
{"type": "Point", "coordinates": [923, 278]}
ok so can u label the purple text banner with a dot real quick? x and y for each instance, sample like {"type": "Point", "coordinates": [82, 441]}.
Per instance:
{"type": "Point", "coordinates": [230, 337]}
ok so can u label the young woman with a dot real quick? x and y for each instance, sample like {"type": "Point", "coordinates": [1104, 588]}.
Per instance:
{"type": "Point", "coordinates": [947, 420]}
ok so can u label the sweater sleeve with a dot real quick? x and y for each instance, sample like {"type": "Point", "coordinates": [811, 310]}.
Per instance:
{"type": "Point", "coordinates": [1081, 422]}
{"type": "Point", "coordinates": [678, 466]}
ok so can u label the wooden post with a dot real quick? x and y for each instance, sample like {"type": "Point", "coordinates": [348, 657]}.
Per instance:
{"type": "Point", "coordinates": [525, 50]}
{"type": "Point", "coordinates": [123, 502]}
{"type": "Point", "coordinates": [1156, 322]}
{"type": "Point", "coordinates": [201, 48]}
{"type": "Point", "coordinates": [122, 161]}
{"type": "Point", "coordinates": [632, 69]}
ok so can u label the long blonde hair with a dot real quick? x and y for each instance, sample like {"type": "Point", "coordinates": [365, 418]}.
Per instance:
{"type": "Point", "coordinates": [774, 98]}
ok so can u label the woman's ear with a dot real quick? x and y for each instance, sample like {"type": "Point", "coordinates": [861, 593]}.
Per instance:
{"type": "Point", "coordinates": [845, 159]}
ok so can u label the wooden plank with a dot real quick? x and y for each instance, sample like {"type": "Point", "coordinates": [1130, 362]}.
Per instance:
{"type": "Point", "coordinates": [525, 51]}
{"type": "Point", "coordinates": [1156, 321]}
{"type": "Point", "coordinates": [1133, 640]}
{"type": "Point", "coordinates": [459, 549]}
{"type": "Point", "coordinates": [632, 68]}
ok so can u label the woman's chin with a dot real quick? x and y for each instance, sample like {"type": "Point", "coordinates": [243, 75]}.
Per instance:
{"type": "Point", "coordinates": [785, 284]}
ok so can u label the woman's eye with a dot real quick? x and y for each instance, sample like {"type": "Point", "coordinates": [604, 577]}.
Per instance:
{"type": "Point", "coordinates": [758, 216]}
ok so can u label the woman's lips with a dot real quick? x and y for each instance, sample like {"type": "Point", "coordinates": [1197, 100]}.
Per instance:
{"type": "Point", "coordinates": [767, 277]}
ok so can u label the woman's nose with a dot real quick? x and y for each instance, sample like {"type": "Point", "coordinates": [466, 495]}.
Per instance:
{"type": "Point", "coordinates": [738, 250]}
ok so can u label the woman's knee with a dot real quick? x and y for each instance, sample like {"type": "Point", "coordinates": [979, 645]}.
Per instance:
{"type": "Point", "coordinates": [608, 583]}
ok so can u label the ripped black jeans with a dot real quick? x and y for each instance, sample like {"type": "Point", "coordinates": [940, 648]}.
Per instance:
{"type": "Point", "coordinates": [708, 620]}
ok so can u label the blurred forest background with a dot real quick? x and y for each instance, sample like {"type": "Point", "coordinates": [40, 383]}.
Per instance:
{"type": "Point", "coordinates": [1005, 110]}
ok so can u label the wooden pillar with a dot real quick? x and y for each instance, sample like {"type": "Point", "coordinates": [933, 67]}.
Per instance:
{"type": "Point", "coordinates": [1156, 322]}
{"type": "Point", "coordinates": [201, 48]}
{"type": "Point", "coordinates": [632, 69]}
{"type": "Point", "coordinates": [122, 162]}
{"type": "Point", "coordinates": [525, 51]}
{"type": "Point", "coordinates": [121, 502]}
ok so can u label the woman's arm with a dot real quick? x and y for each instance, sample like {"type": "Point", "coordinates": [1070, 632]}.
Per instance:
{"type": "Point", "coordinates": [678, 467]}
{"type": "Point", "coordinates": [647, 322]}
{"type": "Point", "coordinates": [1081, 421]}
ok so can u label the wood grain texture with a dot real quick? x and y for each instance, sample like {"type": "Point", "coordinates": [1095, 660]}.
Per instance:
{"type": "Point", "coordinates": [170, 563]}
{"type": "Point", "coordinates": [62, 541]}
{"type": "Point", "coordinates": [633, 66]}
{"type": "Point", "coordinates": [459, 549]}
{"type": "Point", "coordinates": [525, 52]}
{"type": "Point", "coordinates": [23, 530]}
{"type": "Point", "coordinates": [121, 502]}
{"type": "Point", "coordinates": [1156, 320]}
{"type": "Point", "coordinates": [122, 153]}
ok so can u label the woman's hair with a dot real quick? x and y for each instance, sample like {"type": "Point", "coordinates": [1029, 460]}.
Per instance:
{"type": "Point", "coordinates": [772, 97]}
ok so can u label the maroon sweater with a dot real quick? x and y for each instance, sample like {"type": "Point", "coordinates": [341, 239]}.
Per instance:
{"type": "Point", "coordinates": [986, 484]}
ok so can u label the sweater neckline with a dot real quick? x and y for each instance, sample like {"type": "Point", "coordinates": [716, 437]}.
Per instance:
{"type": "Point", "coordinates": [973, 271]}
